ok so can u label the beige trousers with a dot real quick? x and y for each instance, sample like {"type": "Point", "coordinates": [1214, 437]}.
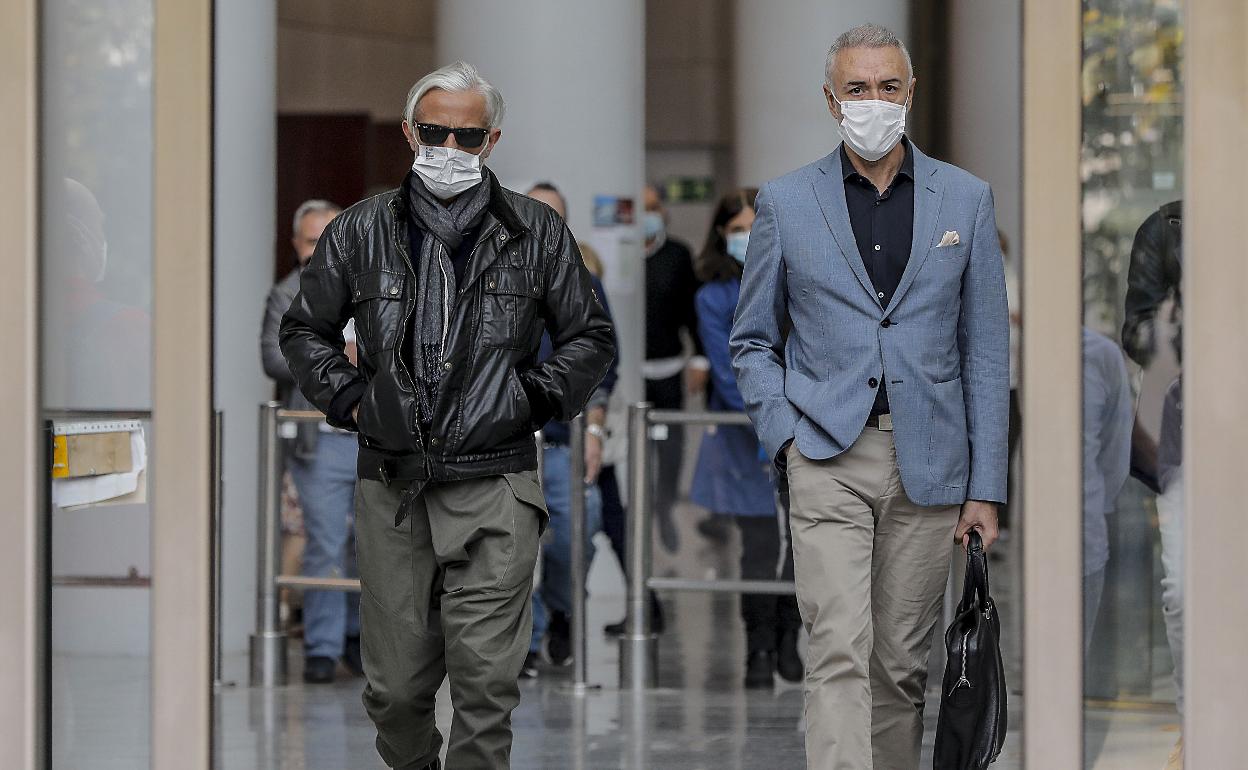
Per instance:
{"type": "Point", "coordinates": [871, 567]}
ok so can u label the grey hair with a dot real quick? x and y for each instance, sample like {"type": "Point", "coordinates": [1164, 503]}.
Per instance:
{"type": "Point", "coordinates": [460, 76]}
{"type": "Point", "coordinates": [866, 36]}
{"type": "Point", "coordinates": [312, 206]}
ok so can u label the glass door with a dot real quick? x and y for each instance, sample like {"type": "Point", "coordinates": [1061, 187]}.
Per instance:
{"type": "Point", "coordinates": [1132, 170]}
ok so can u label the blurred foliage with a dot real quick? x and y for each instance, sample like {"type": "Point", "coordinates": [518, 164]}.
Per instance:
{"type": "Point", "coordinates": [1132, 146]}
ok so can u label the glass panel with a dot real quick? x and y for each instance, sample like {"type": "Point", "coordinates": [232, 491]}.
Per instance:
{"type": "Point", "coordinates": [1132, 172]}
{"type": "Point", "coordinates": [96, 94]}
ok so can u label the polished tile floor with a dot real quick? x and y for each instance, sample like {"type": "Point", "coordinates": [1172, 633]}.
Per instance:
{"type": "Point", "coordinates": [700, 717]}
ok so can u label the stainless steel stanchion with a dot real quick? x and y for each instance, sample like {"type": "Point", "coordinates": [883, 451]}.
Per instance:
{"type": "Point", "coordinates": [268, 643]}
{"type": "Point", "coordinates": [638, 645]}
{"type": "Point", "coordinates": [576, 509]}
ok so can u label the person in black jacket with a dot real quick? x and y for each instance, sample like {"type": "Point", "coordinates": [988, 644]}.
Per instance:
{"type": "Point", "coordinates": [670, 290]}
{"type": "Point", "coordinates": [1154, 276]}
{"type": "Point", "coordinates": [451, 281]}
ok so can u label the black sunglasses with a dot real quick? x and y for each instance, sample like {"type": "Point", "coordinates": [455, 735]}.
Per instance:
{"type": "Point", "coordinates": [434, 135]}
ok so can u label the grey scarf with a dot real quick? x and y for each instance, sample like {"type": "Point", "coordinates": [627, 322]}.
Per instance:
{"type": "Point", "coordinates": [444, 227]}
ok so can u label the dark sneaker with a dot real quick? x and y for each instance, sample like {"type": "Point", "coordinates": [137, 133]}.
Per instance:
{"type": "Point", "coordinates": [559, 640]}
{"type": "Point", "coordinates": [788, 663]}
{"type": "Point", "coordinates": [529, 669]}
{"type": "Point", "coordinates": [351, 657]}
{"type": "Point", "coordinates": [758, 667]}
{"type": "Point", "coordinates": [319, 670]}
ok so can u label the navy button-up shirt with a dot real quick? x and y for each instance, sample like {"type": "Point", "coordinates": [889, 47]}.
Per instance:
{"type": "Point", "coordinates": [883, 225]}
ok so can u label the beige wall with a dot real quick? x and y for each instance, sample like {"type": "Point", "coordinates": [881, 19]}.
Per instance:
{"type": "Point", "coordinates": [1215, 335]}
{"type": "Point", "coordinates": [688, 73]}
{"type": "Point", "coordinates": [22, 665]}
{"type": "Point", "coordinates": [359, 57]}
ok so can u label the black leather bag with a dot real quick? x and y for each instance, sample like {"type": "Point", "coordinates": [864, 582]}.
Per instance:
{"type": "Point", "coordinates": [971, 728]}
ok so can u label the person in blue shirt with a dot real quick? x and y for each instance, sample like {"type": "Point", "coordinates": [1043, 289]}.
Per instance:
{"type": "Point", "coordinates": [733, 476]}
{"type": "Point", "coordinates": [552, 599]}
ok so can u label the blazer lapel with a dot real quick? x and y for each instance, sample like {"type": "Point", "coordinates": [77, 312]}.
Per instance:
{"type": "Point", "coordinates": [928, 195]}
{"type": "Point", "coordinates": [829, 186]}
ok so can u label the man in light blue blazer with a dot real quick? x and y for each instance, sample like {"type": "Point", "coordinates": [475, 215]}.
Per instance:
{"type": "Point", "coordinates": [871, 347]}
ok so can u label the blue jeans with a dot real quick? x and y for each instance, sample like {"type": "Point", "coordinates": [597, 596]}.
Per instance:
{"type": "Point", "coordinates": [326, 485]}
{"type": "Point", "coordinates": [555, 592]}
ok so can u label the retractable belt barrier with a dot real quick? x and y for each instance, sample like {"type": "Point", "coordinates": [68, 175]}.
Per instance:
{"type": "Point", "coordinates": [638, 644]}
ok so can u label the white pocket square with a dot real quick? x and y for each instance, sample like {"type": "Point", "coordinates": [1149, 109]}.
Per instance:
{"type": "Point", "coordinates": [950, 239]}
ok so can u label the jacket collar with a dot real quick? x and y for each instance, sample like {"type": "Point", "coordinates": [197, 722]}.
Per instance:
{"type": "Point", "coordinates": [500, 206]}
{"type": "Point", "coordinates": [829, 187]}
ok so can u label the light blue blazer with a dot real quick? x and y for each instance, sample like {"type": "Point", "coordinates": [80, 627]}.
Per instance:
{"type": "Point", "coordinates": [944, 352]}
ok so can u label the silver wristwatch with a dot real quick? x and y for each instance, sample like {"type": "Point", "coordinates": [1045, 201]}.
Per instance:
{"type": "Point", "coordinates": [596, 430]}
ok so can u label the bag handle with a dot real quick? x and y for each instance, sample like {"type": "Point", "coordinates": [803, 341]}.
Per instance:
{"type": "Point", "coordinates": [976, 580]}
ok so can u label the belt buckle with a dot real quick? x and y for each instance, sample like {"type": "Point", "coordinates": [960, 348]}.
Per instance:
{"type": "Point", "coordinates": [886, 422]}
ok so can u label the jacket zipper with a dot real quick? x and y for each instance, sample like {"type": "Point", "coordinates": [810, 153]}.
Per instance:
{"type": "Point", "coordinates": [408, 307]}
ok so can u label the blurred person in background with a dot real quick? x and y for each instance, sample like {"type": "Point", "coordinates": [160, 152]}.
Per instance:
{"type": "Point", "coordinates": [733, 477]}
{"type": "Point", "coordinates": [1108, 418]}
{"type": "Point", "coordinates": [552, 600]}
{"type": "Point", "coordinates": [321, 461]}
{"type": "Point", "coordinates": [668, 370]}
{"type": "Point", "coordinates": [1155, 279]}
{"type": "Point", "coordinates": [451, 279]}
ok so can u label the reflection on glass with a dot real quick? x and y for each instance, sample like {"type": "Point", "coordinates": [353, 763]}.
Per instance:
{"type": "Point", "coordinates": [1132, 168]}
{"type": "Point", "coordinates": [95, 292]}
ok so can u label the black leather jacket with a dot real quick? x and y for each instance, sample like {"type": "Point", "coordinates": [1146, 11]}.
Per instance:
{"type": "Point", "coordinates": [525, 275]}
{"type": "Point", "coordinates": [1155, 275]}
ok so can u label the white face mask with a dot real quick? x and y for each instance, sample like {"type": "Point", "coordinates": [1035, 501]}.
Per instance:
{"type": "Point", "coordinates": [872, 127]}
{"type": "Point", "coordinates": [737, 244]}
{"type": "Point", "coordinates": [446, 171]}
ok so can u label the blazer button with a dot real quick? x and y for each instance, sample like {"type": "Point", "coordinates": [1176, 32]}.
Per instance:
{"type": "Point", "coordinates": [873, 383]}
{"type": "Point", "coordinates": [433, 442]}
{"type": "Point", "coordinates": [447, 366]}
{"type": "Point", "coordinates": [886, 323]}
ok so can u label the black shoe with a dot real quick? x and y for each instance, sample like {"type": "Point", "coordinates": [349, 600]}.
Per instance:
{"type": "Point", "coordinates": [788, 663]}
{"type": "Point", "coordinates": [318, 670]}
{"type": "Point", "coordinates": [714, 528]}
{"type": "Point", "coordinates": [351, 657]}
{"type": "Point", "coordinates": [559, 640]}
{"type": "Point", "coordinates": [529, 669]}
{"type": "Point", "coordinates": [758, 667]}
{"type": "Point", "coordinates": [657, 623]}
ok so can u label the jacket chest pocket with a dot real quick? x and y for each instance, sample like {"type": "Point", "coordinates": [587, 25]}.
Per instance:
{"type": "Point", "coordinates": [509, 306]}
{"type": "Point", "coordinates": [377, 299]}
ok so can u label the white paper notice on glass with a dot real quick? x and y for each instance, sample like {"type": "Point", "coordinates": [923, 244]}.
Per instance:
{"type": "Point", "coordinates": [110, 488]}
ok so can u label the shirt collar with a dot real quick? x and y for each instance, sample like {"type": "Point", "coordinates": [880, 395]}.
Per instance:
{"type": "Point", "coordinates": [907, 163]}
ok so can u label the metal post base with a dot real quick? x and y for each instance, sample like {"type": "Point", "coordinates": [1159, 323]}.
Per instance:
{"type": "Point", "coordinates": [268, 659]}
{"type": "Point", "coordinates": [639, 662]}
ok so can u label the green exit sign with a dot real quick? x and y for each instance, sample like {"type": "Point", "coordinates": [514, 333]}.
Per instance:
{"type": "Point", "coordinates": [689, 189]}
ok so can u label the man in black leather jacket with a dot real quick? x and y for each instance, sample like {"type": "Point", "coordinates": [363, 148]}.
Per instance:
{"type": "Point", "coordinates": [451, 280]}
{"type": "Point", "coordinates": [1155, 275]}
